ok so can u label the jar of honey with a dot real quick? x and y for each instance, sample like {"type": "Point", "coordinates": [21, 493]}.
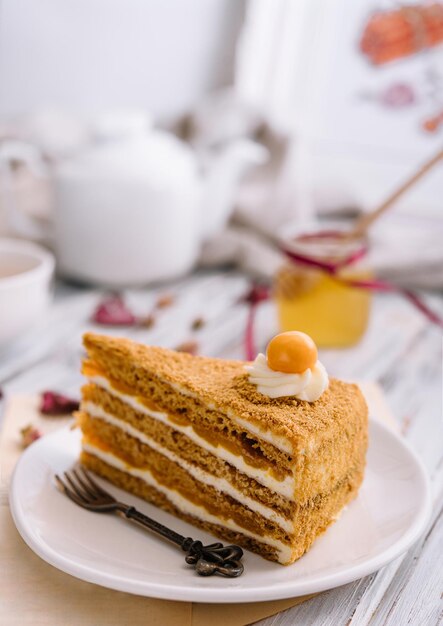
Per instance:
{"type": "Point", "coordinates": [314, 293]}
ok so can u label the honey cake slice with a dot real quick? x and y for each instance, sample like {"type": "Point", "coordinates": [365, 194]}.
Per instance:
{"type": "Point", "coordinates": [195, 436]}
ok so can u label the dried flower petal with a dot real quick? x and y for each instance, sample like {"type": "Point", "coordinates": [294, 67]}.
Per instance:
{"type": "Point", "coordinates": [191, 347]}
{"type": "Point", "coordinates": [164, 301]}
{"type": "Point", "coordinates": [113, 311]}
{"type": "Point", "coordinates": [53, 403]}
{"type": "Point", "coordinates": [29, 434]}
{"type": "Point", "coordinates": [198, 323]}
{"type": "Point", "coordinates": [147, 322]}
{"type": "Point", "coordinates": [398, 95]}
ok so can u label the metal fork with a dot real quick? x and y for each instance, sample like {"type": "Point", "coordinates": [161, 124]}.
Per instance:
{"type": "Point", "coordinates": [215, 558]}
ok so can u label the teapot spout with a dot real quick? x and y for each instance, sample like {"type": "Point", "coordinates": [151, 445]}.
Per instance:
{"type": "Point", "coordinates": [222, 180]}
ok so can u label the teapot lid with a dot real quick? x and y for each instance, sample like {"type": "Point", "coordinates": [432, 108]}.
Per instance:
{"type": "Point", "coordinates": [120, 123]}
{"type": "Point", "coordinates": [125, 147]}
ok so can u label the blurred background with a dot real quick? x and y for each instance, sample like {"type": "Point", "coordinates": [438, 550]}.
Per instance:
{"type": "Point", "coordinates": [141, 140]}
{"type": "Point", "coordinates": [203, 174]}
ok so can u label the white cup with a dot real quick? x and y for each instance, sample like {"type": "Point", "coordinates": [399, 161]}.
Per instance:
{"type": "Point", "coordinates": [26, 271]}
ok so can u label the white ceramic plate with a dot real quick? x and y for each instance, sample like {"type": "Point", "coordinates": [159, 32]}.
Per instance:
{"type": "Point", "coordinates": [387, 517]}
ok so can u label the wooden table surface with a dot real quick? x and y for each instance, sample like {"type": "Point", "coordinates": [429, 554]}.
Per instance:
{"type": "Point", "coordinates": [401, 350]}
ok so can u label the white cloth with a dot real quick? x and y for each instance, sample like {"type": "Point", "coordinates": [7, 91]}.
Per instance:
{"type": "Point", "coordinates": [241, 246]}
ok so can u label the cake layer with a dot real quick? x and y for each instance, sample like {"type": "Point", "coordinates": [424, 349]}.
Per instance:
{"type": "Point", "coordinates": [183, 440]}
{"type": "Point", "coordinates": [309, 521]}
{"type": "Point", "coordinates": [214, 427]}
{"type": "Point", "coordinates": [94, 428]}
{"type": "Point", "coordinates": [316, 470]}
{"type": "Point", "coordinates": [133, 453]}
{"type": "Point", "coordinates": [203, 395]}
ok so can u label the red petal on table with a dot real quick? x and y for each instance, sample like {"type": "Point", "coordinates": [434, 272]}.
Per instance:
{"type": "Point", "coordinates": [53, 403]}
{"type": "Point", "coordinates": [112, 311]}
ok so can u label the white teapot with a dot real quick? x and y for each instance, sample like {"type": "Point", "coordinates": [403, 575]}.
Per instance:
{"type": "Point", "coordinates": [134, 206]}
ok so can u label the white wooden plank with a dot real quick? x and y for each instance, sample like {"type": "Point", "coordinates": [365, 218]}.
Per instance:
{"type": "Point", "coordinates": [415, 593]}
{"type": "Point", "coordinates": [331, 608]}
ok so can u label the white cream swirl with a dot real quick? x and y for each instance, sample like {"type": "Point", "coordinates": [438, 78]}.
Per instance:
{"type": "Point", "coordinates": [308, 385]}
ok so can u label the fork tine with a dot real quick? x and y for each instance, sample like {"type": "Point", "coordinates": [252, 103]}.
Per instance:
{"type": "Point", "coordinates": [68, 492]}
{"type": "Point", "coordinates": [60, 484]}
{"type": "Point", "coordinates": [77, 490]}
{"type": "Point", "coordinates": [95, 485]}
{"type": "Point", "coordinates": [91, 492]}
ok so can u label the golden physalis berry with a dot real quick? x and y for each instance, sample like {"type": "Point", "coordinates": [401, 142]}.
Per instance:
{"type": "Point", "coordinates": [292, 352]}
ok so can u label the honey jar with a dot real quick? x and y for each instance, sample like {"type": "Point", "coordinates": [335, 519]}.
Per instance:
{"type": "Point", "coordinates": [314, 293]}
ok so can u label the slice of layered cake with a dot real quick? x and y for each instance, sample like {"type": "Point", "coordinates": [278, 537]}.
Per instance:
{"type": "Point", "coordinates": [263, 454]}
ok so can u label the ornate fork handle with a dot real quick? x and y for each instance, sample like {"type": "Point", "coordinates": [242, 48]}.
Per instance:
{"type": "Point", "coordinates": [207, 560]}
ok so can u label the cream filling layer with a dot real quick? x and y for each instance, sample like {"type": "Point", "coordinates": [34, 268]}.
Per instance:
{"type": "Point", "coordinates": [285, 487]}
{"type": "Point", "coordinates": [196, 472]}
{"type": "Point", "coordinates": [184, 505]}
